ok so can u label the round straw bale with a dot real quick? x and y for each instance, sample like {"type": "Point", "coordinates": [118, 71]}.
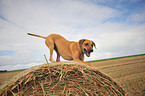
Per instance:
{"type": "Point", "coordinates": [61, 79]}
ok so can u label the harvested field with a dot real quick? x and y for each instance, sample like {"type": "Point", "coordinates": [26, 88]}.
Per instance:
{"type": "Point", "coordinates": [5, 76]}
{"type": "Point", "coordinates": [62, 78]}
{"type": "Point", "coordinates": [127, 72]}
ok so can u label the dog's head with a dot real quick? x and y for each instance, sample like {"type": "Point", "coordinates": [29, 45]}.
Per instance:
{"type": "Point", "coordinates": [86, 46]}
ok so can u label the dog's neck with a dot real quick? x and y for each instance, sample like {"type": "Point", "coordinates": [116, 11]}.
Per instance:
{"type": "Point", "coordinates": [81, 52]}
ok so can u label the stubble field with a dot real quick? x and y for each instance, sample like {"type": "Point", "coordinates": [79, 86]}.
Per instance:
{"type": "Point", "coordinates": [128, 72]}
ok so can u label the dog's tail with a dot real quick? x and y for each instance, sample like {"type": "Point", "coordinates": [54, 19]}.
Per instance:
{"type": "Point", "coordinates": [36, 35]}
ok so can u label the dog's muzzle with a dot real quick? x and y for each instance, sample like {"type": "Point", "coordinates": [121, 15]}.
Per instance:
{"type": "Point", "coordinates": [87, 52]}
{"type": "Point", "coordinates": [90, 50]}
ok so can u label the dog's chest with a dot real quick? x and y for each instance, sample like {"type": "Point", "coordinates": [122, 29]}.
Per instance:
{"type": "Point", "coordinates": [67, 57]}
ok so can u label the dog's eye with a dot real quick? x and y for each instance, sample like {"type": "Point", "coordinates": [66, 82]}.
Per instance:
{"type": "Point", "coordinates": [86, 44]}
{"type": "Point", "coordinates": [92, 45]}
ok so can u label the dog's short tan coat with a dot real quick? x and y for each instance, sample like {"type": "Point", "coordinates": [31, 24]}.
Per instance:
{"type": "Point", "coordinates": [69, 50]}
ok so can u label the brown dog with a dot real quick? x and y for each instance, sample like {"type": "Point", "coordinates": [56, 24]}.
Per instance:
{"type": "Point", "coordinates": [69, 50]}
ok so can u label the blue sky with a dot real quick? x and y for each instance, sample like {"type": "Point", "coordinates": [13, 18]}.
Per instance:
{"type": "Point", "coordinates": [5, 53]}
{"type": "Point", "coordinates": [116, 26]}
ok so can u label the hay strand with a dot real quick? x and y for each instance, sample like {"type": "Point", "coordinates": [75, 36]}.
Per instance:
{"type": "Point", "coordinates": [45, 58]}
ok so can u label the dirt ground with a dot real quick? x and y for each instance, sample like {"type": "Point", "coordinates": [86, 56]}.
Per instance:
{"type": "Point", "coordinates": [127, 72]}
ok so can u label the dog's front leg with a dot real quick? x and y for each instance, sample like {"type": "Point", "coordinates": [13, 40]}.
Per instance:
{"type": "Point", "coordinates": [78, 60]}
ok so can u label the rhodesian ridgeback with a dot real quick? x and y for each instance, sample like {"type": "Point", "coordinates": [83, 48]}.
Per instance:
{"type": "Point", "coordinates": [69, 50]}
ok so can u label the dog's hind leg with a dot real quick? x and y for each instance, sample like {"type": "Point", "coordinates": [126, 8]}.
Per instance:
{"type": "Point", "coordinates": [58, 55]}
{"type": "Point", "coordinates": [51, 53]}
{"type": "Point", "coordinates": [50, 45]}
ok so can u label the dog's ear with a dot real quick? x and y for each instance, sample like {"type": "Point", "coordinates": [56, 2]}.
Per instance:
{"type": "Point", "coordinates": [94, 44]}
{"type": "Point", "coordinates": [81, 42]}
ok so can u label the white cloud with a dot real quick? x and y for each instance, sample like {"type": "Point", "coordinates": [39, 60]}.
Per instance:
{"type": "Point", "coordinates": [128, 40]}
{"type": "Point", "coordinates": [137, 18]}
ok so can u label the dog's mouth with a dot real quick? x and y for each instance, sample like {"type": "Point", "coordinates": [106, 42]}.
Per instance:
{"type": "Point", "coordinates": [87, 52]}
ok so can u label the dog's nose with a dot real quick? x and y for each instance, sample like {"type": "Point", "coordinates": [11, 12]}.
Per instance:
{"type": "Point", "coordinates": [90, 50]}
